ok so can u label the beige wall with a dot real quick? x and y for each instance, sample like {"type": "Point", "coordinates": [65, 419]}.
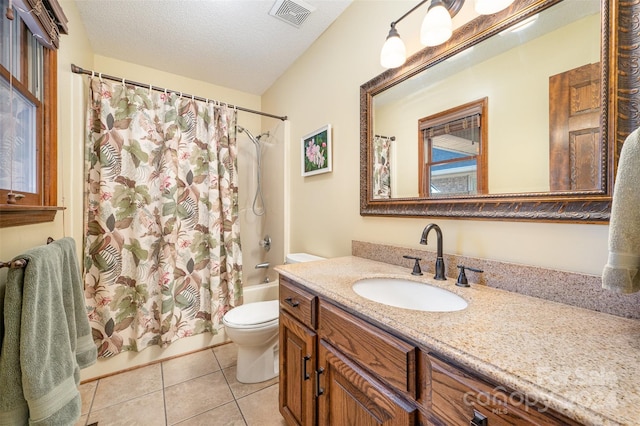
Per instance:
{"type": "Point", "coordinates": [323, 87]}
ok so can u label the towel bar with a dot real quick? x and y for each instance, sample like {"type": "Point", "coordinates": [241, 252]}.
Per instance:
{"type": "Point", "coordinates": [20, 263]}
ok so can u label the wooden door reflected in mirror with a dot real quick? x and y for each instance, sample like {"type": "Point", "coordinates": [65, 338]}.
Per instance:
{"type": "Point", "coordinates": [575, 157]}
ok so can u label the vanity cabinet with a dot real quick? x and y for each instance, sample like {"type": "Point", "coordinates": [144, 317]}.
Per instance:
{"type": "Point", "coordinates": [297, 399]}
{"type": "Point", "coordinates": [458, 396]}
{"type": "Point", "coordinates": [336, 368]}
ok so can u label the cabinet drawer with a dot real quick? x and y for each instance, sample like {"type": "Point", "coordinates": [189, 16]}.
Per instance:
{"type": "Point", "coordinates": [390, 358]}
{"type": "Point", "coordinates": [298, 302]}
{"type": "Point", "coordinates": [456, 395]}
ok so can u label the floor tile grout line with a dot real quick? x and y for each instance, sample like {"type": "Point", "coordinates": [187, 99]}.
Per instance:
{"type": "Point", "coordinates": [128, 400]}
{"type": "Point", "coordinates": [235, 400]}
{"type": "Point", "coordinates": [244, 419]}
{"type": "Point", "coordinates": [225, 371]}
{"type": "Point", "coordinates": [164, 397]}
{"type": "Point", "coordinates": [93, 398]}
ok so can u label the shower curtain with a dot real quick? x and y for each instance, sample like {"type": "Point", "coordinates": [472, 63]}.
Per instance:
{"type": "Point", "coordinates": [381, 167]}
{"type": "Point", "coordinates": [162, 254]}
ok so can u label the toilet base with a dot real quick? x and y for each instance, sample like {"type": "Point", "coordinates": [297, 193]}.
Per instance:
{"type": "Point", "coordinates": [255, 364]}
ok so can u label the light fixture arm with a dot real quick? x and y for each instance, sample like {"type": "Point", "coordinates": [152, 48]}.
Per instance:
{"type": "Point", "coordinates": [436, 28]}
{"type": "Point", "coordinates": [453, 6]}
{"type": "Point", "coordinates": [393, 52]}
{"type": "Point", "coordinates": [393, 24]}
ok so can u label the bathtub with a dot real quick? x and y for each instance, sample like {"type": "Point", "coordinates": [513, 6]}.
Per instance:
{"type": "Point", "coordinates": [260, 292]}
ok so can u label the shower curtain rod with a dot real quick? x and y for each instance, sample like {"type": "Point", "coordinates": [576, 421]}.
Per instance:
{"type": "Point", "coordinates": [79, 70]}
{"type": "Point", "coordinates": [392, 138]}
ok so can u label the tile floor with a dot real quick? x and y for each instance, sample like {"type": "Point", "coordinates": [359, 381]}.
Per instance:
{"type": "Point", "coordinates": [196, 389]}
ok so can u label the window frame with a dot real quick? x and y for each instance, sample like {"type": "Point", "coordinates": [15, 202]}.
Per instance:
{"type": "Point", "coordinates": [41, 207]}
{"type": "Point", "coordinates": [425, 162]}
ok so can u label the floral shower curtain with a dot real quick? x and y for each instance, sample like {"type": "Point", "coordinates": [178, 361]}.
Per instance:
{"type": "Point", "coordinates": [162, 247]}
{"type": "Point", "coordinates": [381, 167]}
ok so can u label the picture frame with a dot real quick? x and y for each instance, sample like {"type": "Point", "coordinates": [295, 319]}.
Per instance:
{"type": "Point", "coordinates": [315, 149]}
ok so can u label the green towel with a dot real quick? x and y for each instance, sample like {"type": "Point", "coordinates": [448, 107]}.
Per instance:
{"type": "Point", "coordinates": [47, 338]}
{"type": "Point", "coordinates": [622, 271]}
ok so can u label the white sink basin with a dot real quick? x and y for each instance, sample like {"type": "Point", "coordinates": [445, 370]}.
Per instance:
{"type": "Point", "coordinates": [409, 295]}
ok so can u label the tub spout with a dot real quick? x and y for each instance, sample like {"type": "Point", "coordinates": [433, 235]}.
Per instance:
{"type": "Point", "coordinates": [263, 265]}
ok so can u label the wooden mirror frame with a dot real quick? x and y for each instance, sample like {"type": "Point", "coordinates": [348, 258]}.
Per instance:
{"type": "Point", "coordinates": [620, 52]}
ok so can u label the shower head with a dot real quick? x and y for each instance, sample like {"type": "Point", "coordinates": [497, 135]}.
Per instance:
{"type": "Point", "coordinates": [261, 135]}
{"type": "Point", "coordinates": [254, 139]}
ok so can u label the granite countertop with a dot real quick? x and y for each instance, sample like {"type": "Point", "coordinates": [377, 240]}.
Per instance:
{"type": "Point", "coordinates": [579, 362]}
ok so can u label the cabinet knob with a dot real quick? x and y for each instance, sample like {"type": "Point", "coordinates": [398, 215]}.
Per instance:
{"type": "Point", "coordinates": [479, 419]}
{"type": "Point", "coordinates": [291, 302]}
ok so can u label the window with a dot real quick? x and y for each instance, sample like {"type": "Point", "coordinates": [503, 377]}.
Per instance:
{"type": "Point", "coordinates": [453, 147]}
{"type": "Point", "coordinates": [28, 98]}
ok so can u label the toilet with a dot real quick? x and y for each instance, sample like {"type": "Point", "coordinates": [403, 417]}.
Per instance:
{"type": "Point", "coordinates": [301, 257]}
{"type": "Point", "coordinates": [254, 329]}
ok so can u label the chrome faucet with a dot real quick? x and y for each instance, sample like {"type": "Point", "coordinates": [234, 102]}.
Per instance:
{"type": "Point", "coordinates": [439, 260]}
{"type": "Point", "coordinates": [264, 265]}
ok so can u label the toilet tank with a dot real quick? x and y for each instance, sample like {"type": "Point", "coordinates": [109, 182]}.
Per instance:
{"type": "Point", "coordinates": [301, 257]}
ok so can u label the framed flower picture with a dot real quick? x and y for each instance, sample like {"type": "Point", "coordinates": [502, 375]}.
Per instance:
{"type": "Point", "coordinates": [316, 151]}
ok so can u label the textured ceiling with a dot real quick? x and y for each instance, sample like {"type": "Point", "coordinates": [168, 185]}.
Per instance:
{"type": "Point", "coordinates": [230, 43]}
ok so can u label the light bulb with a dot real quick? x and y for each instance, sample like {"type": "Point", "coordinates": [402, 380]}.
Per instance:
{"type": "Point", "coordinates": [436, 26]}
{"type": "Point", "coordinates": [487, 7]}
{"type": "Point", "coordinates": [393, 52]}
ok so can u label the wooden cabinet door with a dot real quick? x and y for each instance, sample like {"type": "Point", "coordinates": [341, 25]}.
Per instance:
{"type": "Point", "coordinates": [297, 371]}
{"type": "Point", "coordinates": [349, 396]}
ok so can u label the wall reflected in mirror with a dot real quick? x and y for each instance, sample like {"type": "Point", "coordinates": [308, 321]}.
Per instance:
{"type": "Point", "coordinates": [532, 144]}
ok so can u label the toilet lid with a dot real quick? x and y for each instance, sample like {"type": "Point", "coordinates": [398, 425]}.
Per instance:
{"type": "Point", "coordinates": [253, 313]}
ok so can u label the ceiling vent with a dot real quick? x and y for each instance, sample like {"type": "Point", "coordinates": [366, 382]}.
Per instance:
{"type": "Point", "coordinates": [291, 12]}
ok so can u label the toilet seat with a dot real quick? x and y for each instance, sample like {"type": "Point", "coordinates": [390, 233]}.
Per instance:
{"type": "Point", "coordinates": [253, 315]}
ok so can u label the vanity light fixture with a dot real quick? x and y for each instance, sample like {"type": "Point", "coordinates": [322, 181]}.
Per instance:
{"type": "Point", "coordinates": [436, 27]}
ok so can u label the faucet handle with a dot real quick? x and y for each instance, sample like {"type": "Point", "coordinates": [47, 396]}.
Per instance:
{"type": "Point", "coordinates": [416, 267]}
{"type": "Point", "coordinates": [462, 277]}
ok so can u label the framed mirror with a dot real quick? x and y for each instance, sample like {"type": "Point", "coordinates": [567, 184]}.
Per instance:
{"type": "Point", "coordinates": [562, 92]}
